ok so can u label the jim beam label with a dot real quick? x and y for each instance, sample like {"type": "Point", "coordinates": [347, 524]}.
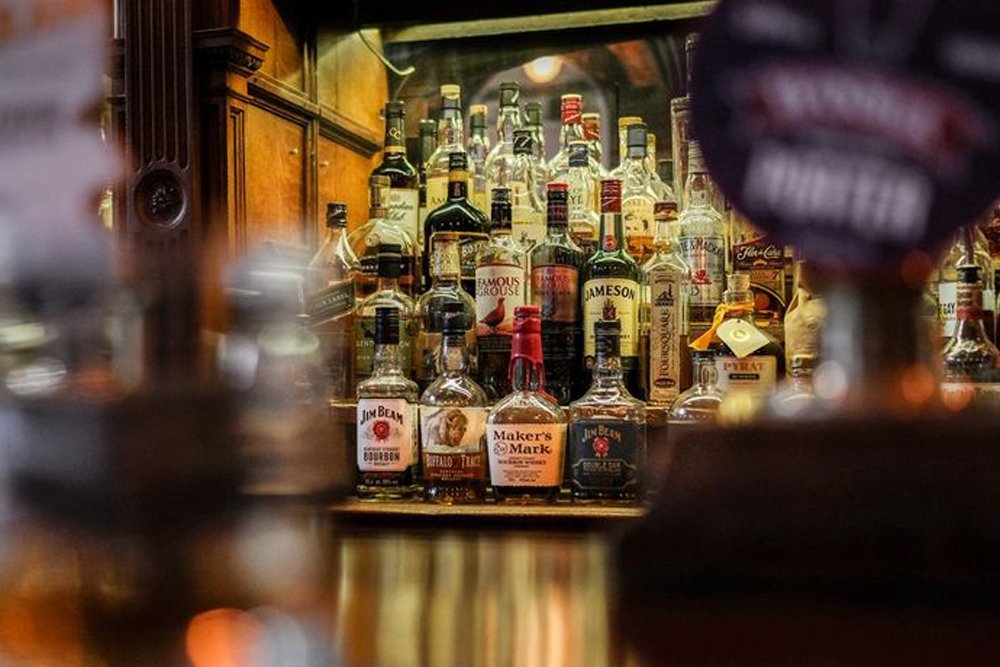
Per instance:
{"type": "Point", "coordinates": [365, 353]}
{"type": "Point", "coordinates": [757, 375]}
{"type": "Point", "coordinates": [333, 301]}
{"type": "Point", "coordinates": [387, 435]}
{"type": "Point", "coordinates": [500, 288]}
{"type": "Point", "coordinates": [706, 257]}
{"type": "Point", "coordinates": [637, 214]}
{"type": "Point", "coordinates": [606, 456]}
{"type": "Point", "coordinates": [403, 210]}
{"type": "Point", "coordinates": [526, 454]}
{"type": "Point", "coordinates": [608, 299]}
{"type": "Point", "coordinates": [664, 336]}
{"type": "Point", "coordinates": [454, 439]}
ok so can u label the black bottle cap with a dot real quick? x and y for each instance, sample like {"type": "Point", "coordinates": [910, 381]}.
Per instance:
{"type": "Point", "coordinates": [509, 93]}
{"type": "Point", "coordinates": [395, 108]}
{"type": "Point", "coordinates": [523, 142]}
{"type": "Point", "coordinates": [579, 156]}
{"type": "Point", "coordinates": [968, 274]}
{"type": "Point", "coordinates": [427, 127]}
{"type": "Point", "coordinates": [607, 338]}
{"type": "Point", "coordinates": [477, 116]}
{"type": "Point", "coordinates": [458, 161]}
{"type": "Point", "coordinates": [386, 325]}
{"type": "Point", "coordinates": [454, 318]}
{"type": "Point", "coordinates": [336, 215]}
{"type": "Point", "coordinates": [533, 114]}
{"type": "Point", "coordinates": [703, 355]}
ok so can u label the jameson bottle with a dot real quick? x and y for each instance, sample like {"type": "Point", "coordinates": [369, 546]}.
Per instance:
{"type": "Point", "coordinates": [388, 294]}
{"type": "Point", "coordinates": [453, 421]}
{"type": "Point", "coordinates": [403, 196]}
{"type": "Point", "coordinates": [501, 287]}
{"type": "Point", "coordinates": [458, 214]}
{"type": "Point", "coordinates": [526, 431]}
{"type": "Point", "coordinates": [387, 419]}
{"type": "Point", "coordinates": [555, 278]}
{"type": "Point", "coordinates": [331, 302]}
{"type": "Point", "coordinates": [611, 287]}
{"type": "Point", "coordinates": [450, 139]}
{"type": "Point", "coordinates": [479, 148]}
{"type": "Point", "coordinates": [971, 362]}
{"type": "Point", "coordinates": [607, 438]}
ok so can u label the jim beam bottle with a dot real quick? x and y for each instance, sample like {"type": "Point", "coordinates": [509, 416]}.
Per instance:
{"type": "Point", "coordinates": [611, 288]}
{"type": "Point", "coordinates": [526, 430]}
{"type": "Point", "coordinates": [387, 419]}
{"type": "Point", "coordinates": [971, 362]}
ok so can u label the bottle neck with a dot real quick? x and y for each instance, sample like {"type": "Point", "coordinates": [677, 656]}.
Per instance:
{"type": "Point", "coordinates": [458, 185]}
{"type": "Point", "coordinates": [527, 376]}
{"type": "Point", "coordinates": [387, 360]}
{"type": "Point", "coordinates": [969, 312]}
{"type": "Point", "coordinates": [450, 130]}
{"type": "Point", "coordinates": [454, 354]}
{"type": "Point", "coordinates": [607, 370]}
{"type": "Point", "coordinates": [662, 235]}
{"type": "Point", "coordinates": [508, 120]}
{"type": "Point", "coordinates": [445, 265]}
{"type": "Point", "coordinates": [395, 136]}
{"type": "Point", "coordinates": [705, 374]}
{"type": "Point", "coordinates": [388, 283]}
{"type": "Point", "coordinates": [698, 191]}
{"type": "Point", "coordinates": [612, 227]}
{"type": "Point", "coordinates": [571, 130]}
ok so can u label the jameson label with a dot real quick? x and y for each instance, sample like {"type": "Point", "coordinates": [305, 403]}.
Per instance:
{"type": "Point", "coordinates": [706, 257]}
{"type": "Point", "coordinates": [757, 375]}
{"type": "Point", "coordinates": [664, 336]}
{"type": "Point", "coordinates": [526, 454]}
{"type": "Point", "coordinates": [331, 302]}
{"type": "Point", "coordinates": [437, 192]}
{"type": "Point", "coordinates": [606, 299]}
{"type": "Point", "coordinates": [453, 442]}
{"type": "Point", "coordinates": [387, 435]}
{"type": "Point", "coordinates": [555, 290]}
{"type": "Point", "coordinates": [637, 214]}
{"type": "Point", "coordinates": [500, 288]}
{"type": "Point", "coordinates": [606, 456]}
{"type": "Point", "coordinates": [365, 341]}
{"type": "Point", "coordinates": [402, 209]}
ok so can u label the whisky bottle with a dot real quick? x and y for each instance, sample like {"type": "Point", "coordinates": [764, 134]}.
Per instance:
{"type": "Point", "coordinates": [331, 303]}
{"type": "Point", "coordinates": [479, 149]}
{"type": "Point", "coordinates": [526, 430]}
{"type": "Point", "coordinates": [664, 312]}
{"type": "Point", "coordinates": [611, 281]}
{"type": "Point", "coordinates": [453, 420]}
{"type": "Point", "coordinates": [970, 247]}
{"type": "Point", "coordinates": [387, 419]}
{"type": "Point", "coordinates": [533, 122]}
{"type": "Point", "coordinates": [501, 287]}
{"type": "Point", "coordinates": [592, 135]}
{"type": "Point", "coordinates": [702, 239]}
{"type": "Point", "coordinates": [527, 207]}
{"type": "Point", "coordinates": [624, 123]}
{"type": "Point", "coordinates": [445, 288]}
{"type": "Point", "coordinates": [971, 375]}
{"type": "Point", "coordinates": [607, 450]}
{"type": "Point", "coordinates": [426, 144]}
{"type": "Point", "coordinates": [403, 196]}
{"type": "Point", "coordinates": [450, 139]}
{"type": "Point", "coordinates": [388, 294]}
{"type": "Point", "coordinates": [500, 161]}
{"type": "Point", "coordinates": [378, 230]}
{"type": "Point", "coordinates": [584, 219]}
{"type": "Point", "coordinates": [555, 278]}
{"type": "Point", "coordinates": [458, 214]}
{"type": "Point", "coordinates": [638, 196]}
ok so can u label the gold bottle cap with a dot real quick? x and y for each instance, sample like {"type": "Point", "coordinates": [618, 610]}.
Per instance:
{"type": "Point", "coordinates": [451, 90]}
{"type": "Point", "coordinates": [477, 109]}
{"type": "Point", "coordinates": [625, 121]}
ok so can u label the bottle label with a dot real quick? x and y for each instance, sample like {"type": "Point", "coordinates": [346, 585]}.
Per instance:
{"type": "Point", "coordinates": [757, 375]}
{"type": "Point", "coordinates": [637, 214]}
{"type": "Point", "coordinates": [706, 258]}
{"type": "Point", "coordinates": [947, 299]}
{"type": "Point", "coordinates": [365, 339]}
{"type": "Point", "coordinates": [960, 394]}
{"type": "Point", "coordinates": [607, 299]}
{"type": "Point", "coordinates": [453, 442]}
{"type": "Point", "coordinates": [606, 455]}
{"type": "Point", "coordinates": [969, 302]}
{"type": "Point", "coordinates": [402, 210]}
{"type": "Point", "coordinates": [499, 290]}
{"type": "Point", "coordinates": [437, 192]}
{"type": "Point", "coordinates": [387, 434]}
{"type": "Point", "coordinates": [468, 247]}
{"type": "Point", "coordinates": [526, 454]}
{"type": "Point", "coordinates": [332, 301]}
{"type": "Point", "coordinates": [665, 331]}
{"type": "Point", "coordinates": [555, 290]}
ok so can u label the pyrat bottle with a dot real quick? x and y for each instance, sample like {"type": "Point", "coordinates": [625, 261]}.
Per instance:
{"type": "Point", "coordinates": [971, 362]}
{"type": "Point", "coordinates": [526, 431]}
{"type": "Point", "coordinates": [387, 420]}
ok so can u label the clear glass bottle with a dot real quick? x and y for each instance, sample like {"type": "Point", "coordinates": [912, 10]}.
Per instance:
{"type": "Point", "coordinates": [592, 135]}
{"type": "Point", "coordinates": [526, 430]}
{"type": "Point", "coordinates": [701, 403]}
{"type": "Point", "coordinates": [479, 149]}
{"type": "Point", "coordinates": [533, 122]}
{"type": "Point", "coordinates": [388, 467]}
{"type": "Point", "coordinates": [947, 280]}
{"type": "Point", "coordinates": [453, 420]}
{"type": "Point", "coordinates": [795, 398]}
{"type": "Point", "coordinates": [500, 161]}
{"type": "Point", "coordinates": [501, 287]}
{"type": "Point", "coordinates": [571, 107]}
{"type": "Point", "coordinates": [403, 195]}
{"type": "Point", "coordinates": [426, 144]}
{"type": "Point", "coordinates": [387, 294]}
{"type": "Point", "coordinates": [607, 450]}
{"type": "Point", "coordinates": [445, 288]}
{"type": "Point", "coordinates": [638, 196]}
{"type": "Point", "coordinates": [971, 376]}
{"type": "Point", "coordinates": [555, 278]}
{"type": "Point", "coordinates": [584, 219]}
{"type": "Point", "coordinates": [378, 230]}
{"type": "Point", "coordinates": [662, 190]}
{"type": "Point", "coordinates": [624, 123]}
{"type": "Point", "coordinates": [527, 207]}
{"type": "Point", "coordinates": [664, 337]}
{"type": "Point", "coordinates": [450, 140]}
{"type": "Point", "coordinates": [331, 303]}
{"type": "Point", "coordinates": [702, 240]}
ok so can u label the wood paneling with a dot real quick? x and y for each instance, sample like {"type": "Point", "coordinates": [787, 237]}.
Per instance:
{"type": "Point", "coordinates": [351, 80]}
{"type": "Point", "coordinates": [343, 176]}
{"type": "Point", "coordinates": [280, 25]}
{"type": "Point", "coordinates": [276, 162]}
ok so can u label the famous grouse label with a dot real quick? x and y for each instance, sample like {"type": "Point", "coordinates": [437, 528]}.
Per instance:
{"type": "Point", "coordinates": [500, 288]}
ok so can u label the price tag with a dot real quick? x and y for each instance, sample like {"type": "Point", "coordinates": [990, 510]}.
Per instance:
{"type": "Point", "coordinates": [742, 337]}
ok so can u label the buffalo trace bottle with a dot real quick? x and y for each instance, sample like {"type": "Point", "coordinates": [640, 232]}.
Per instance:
{"type": "Point", "coordinates": [330, 303]}
{"type": "Point", "coordinates": [555, 278]}
{"type": "Point", "coordinates": [611, 282]}
{"type": "Point", "coordinates": [403, 196]}
{"type": "Point", "coordinates": [971, 362]}
{"type": "Point", "coordinates": [526, 431]}
{"type": "Point", "coordinates": [453, 421]}
{"type": "Point", "coordinates": [501, 287]}
{"type": "Point", "coordinates": [387, 294]}
{"type": "Point", "coordinates": [458, 214]}
{"type": "Point", "coordinates": [387, 419]}
{"type": "Point", "coordinates": [607, 438]}
{"type": "Point", "coordinates": [429, 311]}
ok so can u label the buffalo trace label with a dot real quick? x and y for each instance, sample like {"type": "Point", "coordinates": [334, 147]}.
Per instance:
{"type": "Point", "coordinates": [452, 440]}
{"type": "Point", "coordinates": [500, 288]}
{"type": "Point", "coordinates": [706, 258]}
{"type": "Point", "coordinates": [755, 374]}
{"type": "Point", "coordinates": [402, 206]}
{"type": "Point", "coordinates": [332, 301]}
{"type": "Point", "coordinates": [387, 438]}
{"type": "Point", "coordinates": [554, 289]}
{"type": "Point", "coordinates": [665, 329]}
{"type": "Point", "coordinates": [526, 454]}
{"type": "Point", "coordinates": [606, 456]}
{"type": "Point", "coordinates": [607, 299]}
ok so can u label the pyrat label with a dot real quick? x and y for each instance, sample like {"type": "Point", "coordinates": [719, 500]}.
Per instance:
{"type": "Point", "coordinates": [453, 441]}
{"type": "Point", "coordinates": [664, 336]}
{"type": "Point", "coordinates": [526, 454]}
{"type": "Point", "coordinates": [606, 456]}
{"type": "Point", "coordinates": [706, 258]}
{"type": "Point", "coordinates": [402, 210]}
{"type": "Point", "coordinates": [387, 435]}
{"type": "Point", "coordinates": [756, 375]}
{"type": "Point", "coordinates": [555, 291]}
{"type": "Point", "coordinates": [332, 301]}
{"type": "Point", "coordinates": [499, 290]}
{"type": "Point", "coordinates": [608, 299]}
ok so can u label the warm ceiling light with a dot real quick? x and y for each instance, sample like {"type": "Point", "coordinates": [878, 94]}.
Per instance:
{"type": "Point", "coordinates": [544, 69]}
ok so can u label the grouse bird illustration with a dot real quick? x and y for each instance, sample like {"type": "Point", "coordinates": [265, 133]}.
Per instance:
{"type": "Point", "coordinates": [495, 316]}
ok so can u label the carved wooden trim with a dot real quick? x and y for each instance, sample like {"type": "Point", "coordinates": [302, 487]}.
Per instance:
{"type": "Point", "coordinates": [231, 49]}
{"type": "Point", "coordinates": [238, 182]}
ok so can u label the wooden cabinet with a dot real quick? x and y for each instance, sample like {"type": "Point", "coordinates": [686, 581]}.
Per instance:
{"type": "Point", "coordinates": [277, 163]}
{"type": "Point", "coordinates": [341, 170]}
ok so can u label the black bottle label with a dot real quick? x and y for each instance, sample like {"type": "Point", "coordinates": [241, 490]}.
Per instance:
{"type": "Point", "coordinates": [606, 455]}
{"type": "Point", "coordinates": [332, 301]}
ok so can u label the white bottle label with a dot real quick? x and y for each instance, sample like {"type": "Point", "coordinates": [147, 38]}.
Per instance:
{"type": "Point", "coordinates": [947, 302]}
{"type": "Point", "coordinates": [500, 288]}
{"type": "Point", "coordinates": [756, 375]}
{"type": "Point", "coordinates": [665, 287]}
{"type": "Point", "coordinates": [402, 210]}
{"type": "Point", "coordinates": [706, 257]}
{"type": "Point", "coordinates": [387, 435]}
{"type": "Point", "coordinates": [452, 430]}
{"type": "Point", "coordinates": [606, 299]}
{"type": "Point", "coordinates": [526, 454]}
